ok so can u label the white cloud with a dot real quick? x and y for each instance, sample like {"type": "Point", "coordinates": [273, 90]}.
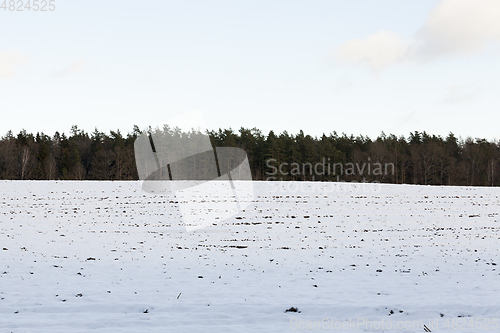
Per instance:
{"type": "Point", "coordinates": [71, 69]}
{"type": "Point", "coordinates": [342, 85]}
{"type": "Point", "coordinates": [461, 26]}
{"type": "Point", "coordinates": [452, 27]}
{"type": "Point", "coordinates": [457, 95]}
{"type": "Point", "coordinates": [377, 51]}
{"type": "Point", "coordinates": [402, 121]}
{"type": "Point", "coordinates": [9, 60]}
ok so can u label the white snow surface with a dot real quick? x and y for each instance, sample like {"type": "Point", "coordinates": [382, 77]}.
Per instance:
{"type": "Point", "coordinates": [109, 257]}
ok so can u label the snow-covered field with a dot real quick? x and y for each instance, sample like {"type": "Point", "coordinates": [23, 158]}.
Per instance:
{"type": "Point", "coordinates": [108, 257]}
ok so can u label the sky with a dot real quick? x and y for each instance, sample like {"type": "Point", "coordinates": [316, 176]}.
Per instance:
{"type": "Point", "coordinates": [354, 67]}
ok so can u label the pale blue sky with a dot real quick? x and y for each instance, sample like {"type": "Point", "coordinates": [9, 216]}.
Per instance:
{"type": "Point", "coordinates": [358, 67]}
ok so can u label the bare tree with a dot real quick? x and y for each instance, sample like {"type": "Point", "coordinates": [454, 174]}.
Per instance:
{"type": "Point", "coordinates": [25, 161]}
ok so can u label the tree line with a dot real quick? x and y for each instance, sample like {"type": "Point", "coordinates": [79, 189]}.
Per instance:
{"type": "Point", "coordinates": [420, 158]}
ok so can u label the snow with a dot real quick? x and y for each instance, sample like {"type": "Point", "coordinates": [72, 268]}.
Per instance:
{"type": "Point", "coordinates": [94, 256]}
